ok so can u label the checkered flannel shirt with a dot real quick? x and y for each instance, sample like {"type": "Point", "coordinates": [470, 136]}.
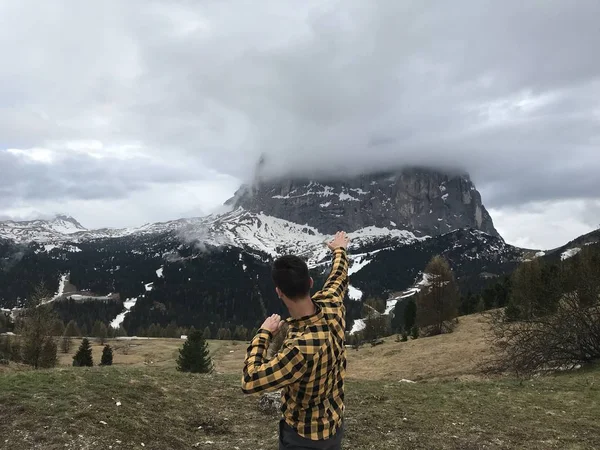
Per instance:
{"type": "Point", "coordinates": [311, 366]}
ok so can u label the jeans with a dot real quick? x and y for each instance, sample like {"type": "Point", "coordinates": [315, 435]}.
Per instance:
{"type": "Point", "coordinates": [290, 440]}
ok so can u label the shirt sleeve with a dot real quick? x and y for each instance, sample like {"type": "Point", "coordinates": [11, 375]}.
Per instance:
{"type": "Point", "coordinates": [285, 368]}
{"type": "Point", "coordinates": [334, 290]}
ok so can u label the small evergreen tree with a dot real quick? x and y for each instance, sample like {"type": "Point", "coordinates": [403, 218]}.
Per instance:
{"type": "Point", "coordinates": [84, 330]}
{"type": "Point", "coordinates": [206, 335]}
{"type": "Point", "coordinates": [107, 356]}
{"type": "Point", "coordinates": [404, 336]}
{"type": "Point", "coordinates": [414, 332]}
{"type": "Point", "coordinates": [194, 356]}
{"type": "Point", "coordinates": [83, 357]}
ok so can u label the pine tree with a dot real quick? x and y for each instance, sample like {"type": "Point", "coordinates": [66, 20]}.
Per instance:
{"type": "Point", "coordinates": [107, 356]}
{"type": "Point", "coordinates": [84, 330]}
{"type": "Point", "coordinates": [72, 329]}
{"type": "Point", "coordinates": [227, 334]}
{"type": "Point", "coordinates": [194, 356]}
{"type": "Point", "coordinates": [437, 303]}
{"type": "Point", "coordinates": [48, 357]}
{"type": "Point", "coordinates": [83, 357]}
{"type": "Point", "coordinates": [206, 335]}
{"type": "Point", "coordinates": [404, 336]}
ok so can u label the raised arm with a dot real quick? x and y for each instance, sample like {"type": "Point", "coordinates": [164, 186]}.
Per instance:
{"type": "Point", "coordinates": [335, 287]}
{"type": "Point", "coordinates": [287, 367]}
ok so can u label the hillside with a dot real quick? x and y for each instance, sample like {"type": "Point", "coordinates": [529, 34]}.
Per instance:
{"type": "Point", "coordinates": [133, 403]}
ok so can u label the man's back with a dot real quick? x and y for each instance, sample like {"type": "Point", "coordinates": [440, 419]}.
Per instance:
{"type": "Point", "coordinates": [311, 366]}
{"type": "Point", "coordinates": [314, 406]}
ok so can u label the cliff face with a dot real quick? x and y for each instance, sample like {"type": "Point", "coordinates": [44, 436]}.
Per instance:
{"type": "Point", "coordinates": [424, 201]}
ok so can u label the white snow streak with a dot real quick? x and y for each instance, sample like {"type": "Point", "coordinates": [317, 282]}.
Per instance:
{"type": "Point", "coordinates": [128, 304]}
{"type": "Point", "coordinates": [159, 272]}
{"type": "Point", "coordinates": [358, 325]}
{"type": "Point", "coordinates": [569, 253]}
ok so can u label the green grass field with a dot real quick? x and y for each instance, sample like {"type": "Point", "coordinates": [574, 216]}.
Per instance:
{"type": "Point", "coordinates": [76, 408]}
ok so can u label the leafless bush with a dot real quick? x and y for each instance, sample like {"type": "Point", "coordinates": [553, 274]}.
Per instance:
{"type": "Point", "coordinates": [561, 341]}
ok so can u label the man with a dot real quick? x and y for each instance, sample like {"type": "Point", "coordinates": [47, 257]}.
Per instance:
{"type": "Point", "coordinates": [311, 366]}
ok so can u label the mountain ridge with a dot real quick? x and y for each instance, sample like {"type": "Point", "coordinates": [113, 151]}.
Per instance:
{"type": "Point", "coordinates": [423, 201]}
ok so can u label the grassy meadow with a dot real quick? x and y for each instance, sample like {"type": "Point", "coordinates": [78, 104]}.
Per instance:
{"type": "Point", "coordinates": [142, 402]}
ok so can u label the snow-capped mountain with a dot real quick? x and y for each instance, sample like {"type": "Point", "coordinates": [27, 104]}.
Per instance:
{"type": "Point", "coordinates": [238, 228]}
{"type": "Point", "coordinates": [40, 230]}
{"type": "Point", "coordinates": [423, 201]}
{"type": "Point", "coordinates": [215, 270]}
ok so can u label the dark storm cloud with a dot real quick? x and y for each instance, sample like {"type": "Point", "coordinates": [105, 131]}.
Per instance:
{"type": "Point", "coordinates": [510, 90]}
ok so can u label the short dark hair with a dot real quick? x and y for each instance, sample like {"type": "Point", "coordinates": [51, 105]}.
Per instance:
{"type": "Point", "coordinates": [290, 274]}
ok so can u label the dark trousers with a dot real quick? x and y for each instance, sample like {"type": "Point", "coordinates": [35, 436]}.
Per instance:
{"type": "Point", "coordinates": [290, 440]}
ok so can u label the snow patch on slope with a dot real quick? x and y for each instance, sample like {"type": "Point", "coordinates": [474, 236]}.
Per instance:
{"type": "Point", "coordinates": [569, 253]}
{"type": "Point", "coordinates": [354, 294]}
{"type": "Point", "coordinates": [128, 304]}
{"type": "Point", "coordinates": [357, 326]}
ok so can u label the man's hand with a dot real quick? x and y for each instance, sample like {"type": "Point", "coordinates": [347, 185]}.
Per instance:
{"type": "Point", "coordinates": [273, 324]}
{"type": "Point", "coordinates": [341, 239]}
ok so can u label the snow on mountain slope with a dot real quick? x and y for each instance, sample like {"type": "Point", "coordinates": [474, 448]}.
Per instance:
{"type": "Point", "coordinates": [238, 228]}
{"type": "Point", "coordinates": [40, 230]}
{"type": "Point", "coordinates": [128, 304]}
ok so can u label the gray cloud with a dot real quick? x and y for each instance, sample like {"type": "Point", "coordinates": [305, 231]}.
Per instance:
{"type": "Point", "coordinates": [509, 91]}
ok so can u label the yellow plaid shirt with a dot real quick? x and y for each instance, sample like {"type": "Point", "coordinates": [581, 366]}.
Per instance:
{"type": "Point", "coordinates": [311, 366]}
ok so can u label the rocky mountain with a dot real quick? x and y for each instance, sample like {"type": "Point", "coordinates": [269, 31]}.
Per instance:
{"type": "Point", "coordinates": [40, 230]}
{"type": "Point", "coordinates": [423, 201]}
{"type": "Point", "coordinates": [215, 271]}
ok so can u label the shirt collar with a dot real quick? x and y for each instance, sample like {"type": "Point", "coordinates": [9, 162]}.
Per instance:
{"type": "Point", "coordinates": [307, 320]}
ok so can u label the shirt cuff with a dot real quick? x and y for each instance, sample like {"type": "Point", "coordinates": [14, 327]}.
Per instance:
{"type": "Point", "coordinates": [264, 333]}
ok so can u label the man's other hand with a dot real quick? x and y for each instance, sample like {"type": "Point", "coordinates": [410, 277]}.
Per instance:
{"type": "Point", "coordinates": [273, 324]}
{"type": "Point", "coordinates": [341, 239]}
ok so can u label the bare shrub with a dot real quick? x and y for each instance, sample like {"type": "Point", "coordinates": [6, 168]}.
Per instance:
{"type": "Point", "coordinates": [564, 340]}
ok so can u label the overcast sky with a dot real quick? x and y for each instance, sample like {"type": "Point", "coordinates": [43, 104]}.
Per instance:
{"type": "Point", "coordinates": [126, 112]}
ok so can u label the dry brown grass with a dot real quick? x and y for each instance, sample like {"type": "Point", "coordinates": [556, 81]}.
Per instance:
{"type": "Point", "coordinates": [451, 356]}
{"type": "Point", "coordinates": [456, 355]}
{"type": "Point", "coordinates": [139, 352]}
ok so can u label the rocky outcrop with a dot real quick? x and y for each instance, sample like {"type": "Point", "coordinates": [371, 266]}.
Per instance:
{"type": "Point", "coordinates": [424, 201]}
